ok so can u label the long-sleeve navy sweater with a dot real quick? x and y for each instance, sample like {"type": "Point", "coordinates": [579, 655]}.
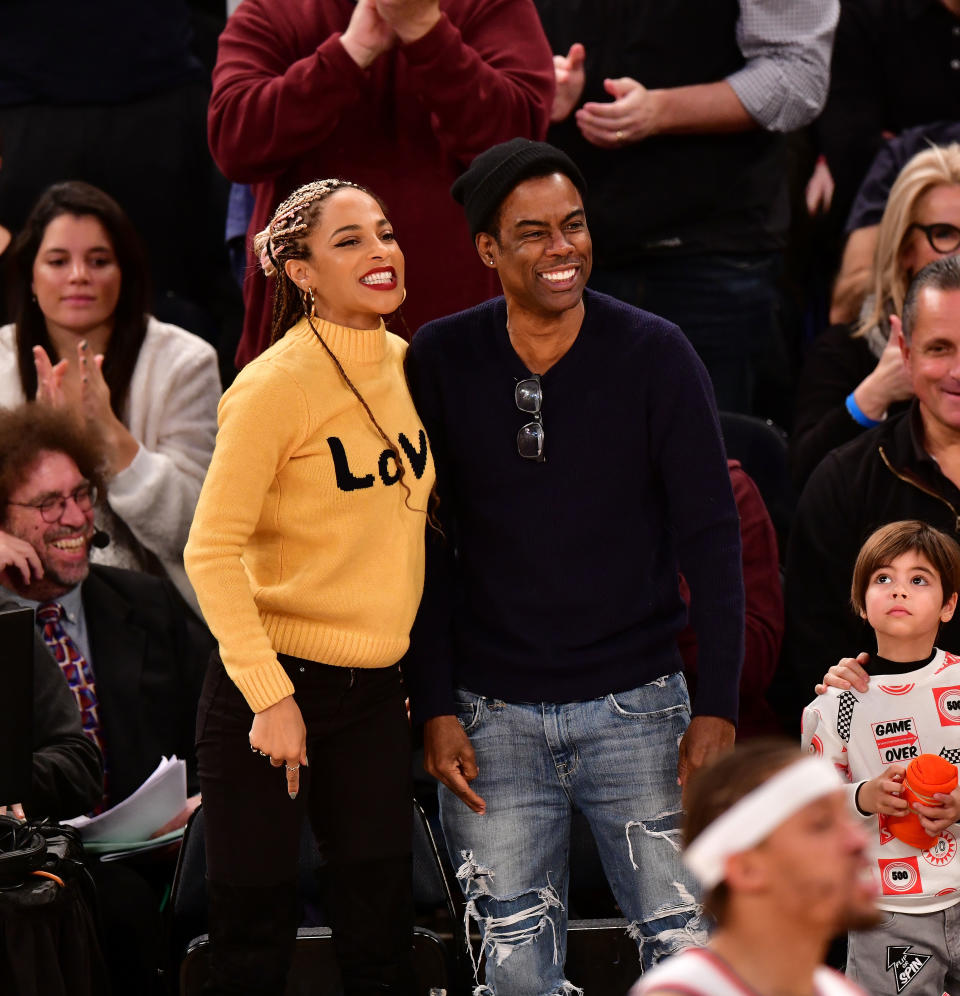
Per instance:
{"type": "Point", "coordinates": [557, 581]}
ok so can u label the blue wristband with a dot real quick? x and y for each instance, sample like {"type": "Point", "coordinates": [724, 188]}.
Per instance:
{"type": "Point", "coordinates": [858, 416]}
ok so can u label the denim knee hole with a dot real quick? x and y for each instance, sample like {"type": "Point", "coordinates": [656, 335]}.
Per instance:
{"type": "Point", "coordinates": [669, 931]}
{"type": "Point", "coordinates": [503, 920]}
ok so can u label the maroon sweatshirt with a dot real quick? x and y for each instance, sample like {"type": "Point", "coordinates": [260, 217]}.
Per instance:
{"type": "Point", "coordinates": [289, 105]}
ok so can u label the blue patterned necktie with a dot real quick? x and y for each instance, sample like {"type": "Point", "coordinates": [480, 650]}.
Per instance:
{"type": "Point", "coordinates": [76, 669]}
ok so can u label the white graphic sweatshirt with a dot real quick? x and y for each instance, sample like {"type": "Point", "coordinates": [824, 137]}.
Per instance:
{"type": "Point", "coordinates": [899, 717]}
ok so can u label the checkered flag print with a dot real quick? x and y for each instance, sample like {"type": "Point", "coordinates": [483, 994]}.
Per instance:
{"type": "Point", "coordinates": [845, 715]}
{"type": "Point", "coordinates": [952, 754]}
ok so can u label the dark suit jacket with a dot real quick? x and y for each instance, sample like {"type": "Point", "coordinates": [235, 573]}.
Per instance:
{"type": "Point", "coordinates": [149, 657]}
{"type": "Point", "coordinates": [67, 773]}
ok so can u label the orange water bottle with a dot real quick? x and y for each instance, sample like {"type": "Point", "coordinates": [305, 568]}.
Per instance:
{"type": "Point", "coordinates": [926, 775]}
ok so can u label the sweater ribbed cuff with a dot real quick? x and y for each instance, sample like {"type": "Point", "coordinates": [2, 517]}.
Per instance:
{"type": "Point", "coordinates": [265, 686]}
{"type": "Point", "coordinates": [340, 59]}
{"type": "Point", "coordinates": [438, 41]}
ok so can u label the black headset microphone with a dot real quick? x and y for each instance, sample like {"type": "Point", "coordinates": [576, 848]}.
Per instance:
{"type": "Point", "coordinates": [99, 539]}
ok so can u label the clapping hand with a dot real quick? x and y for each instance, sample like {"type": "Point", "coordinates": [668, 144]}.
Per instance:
{"type": "Point", "coordinates": [368, 35]}
{"type": "Point", "coordinates": [410, 19]}
{"type": "Point", "coordinates": [54, 386]}
{"type": "Point", "coordinates": [84, 391]}
{"type": "Point", "coordinates": [570, 79]}
{"type": "Point", "coordinates": [629, 117]}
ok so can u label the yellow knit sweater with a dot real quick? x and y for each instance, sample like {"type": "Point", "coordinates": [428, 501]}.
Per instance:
{"type": "Point", "coordinates": [303, 542]}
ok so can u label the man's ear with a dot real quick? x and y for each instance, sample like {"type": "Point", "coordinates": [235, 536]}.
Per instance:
{"type": "Point", "coordinates": [487, 248]}
{"type": "Point", "coordinates": [747, 871]}
{"type": "Point", "coordinates": [896, 329]}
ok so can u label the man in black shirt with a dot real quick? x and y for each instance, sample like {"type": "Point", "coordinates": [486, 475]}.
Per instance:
{"type": "Point", "coordinates": [675, 111]}
{"type": "Point", "coordinates": [579, 466]}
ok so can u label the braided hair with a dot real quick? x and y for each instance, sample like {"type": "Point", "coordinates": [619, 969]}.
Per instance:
{"type": "Point", "coordinates": [285, 238]}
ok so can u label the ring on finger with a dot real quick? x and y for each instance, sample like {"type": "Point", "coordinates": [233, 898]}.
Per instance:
{"type": "Point", "coordinates": [620, 135]}
{"type": "Point", "coordinates": [293, 767]}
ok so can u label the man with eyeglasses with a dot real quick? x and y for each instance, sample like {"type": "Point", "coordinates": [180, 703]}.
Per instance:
{"type": "Point", "coordinates": [130, 650]}
{"type": "Point", "coordinates": [908, 467]}
{"type": "Point", "coordinates": [579, 468]}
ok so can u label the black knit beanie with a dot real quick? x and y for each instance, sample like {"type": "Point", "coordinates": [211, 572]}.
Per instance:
{"type": "Point", "coordinates": [494, 173]}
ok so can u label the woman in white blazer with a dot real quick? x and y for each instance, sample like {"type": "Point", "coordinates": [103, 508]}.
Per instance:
{"type": "Point", "coordinates": [82, 339]}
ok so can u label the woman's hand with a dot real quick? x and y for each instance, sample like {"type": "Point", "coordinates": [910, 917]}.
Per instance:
{"type": "Point", "coordinates": [121, 445]}
{"type": "Point", "coordinates": [847, 673]}
{"type": "Point", "coordinates": [52, 381]}
{"type": "Point", "coordinates": [887, 382]}
{"type": "Point", "coordinates": [279, 733]}
{"type": "Point", "coordinates": [84, 390]}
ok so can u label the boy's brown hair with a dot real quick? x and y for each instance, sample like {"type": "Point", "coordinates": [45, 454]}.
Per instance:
{"type": "Point", "coordinates": [909, 536]}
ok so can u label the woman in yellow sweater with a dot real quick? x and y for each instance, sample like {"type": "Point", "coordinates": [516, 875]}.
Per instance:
{"type": "Point", "coordinates": [306, 554]}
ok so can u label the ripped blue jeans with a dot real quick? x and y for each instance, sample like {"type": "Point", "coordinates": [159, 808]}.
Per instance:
{"type": "Point", "coordinates": [615, 759]}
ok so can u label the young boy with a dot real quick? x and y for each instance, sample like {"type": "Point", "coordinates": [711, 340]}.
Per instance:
{"type": "Point", "coordinates": [905, 584]}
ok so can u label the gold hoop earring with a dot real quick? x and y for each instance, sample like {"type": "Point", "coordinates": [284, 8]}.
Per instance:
{"type": "Point", "coordinates": [309, 303]}
{"type": "Point", "coordinates": [404, 296]}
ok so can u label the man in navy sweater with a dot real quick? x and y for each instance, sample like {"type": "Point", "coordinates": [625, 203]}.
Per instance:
{"type": "Point", "coordinates": [579, 468]}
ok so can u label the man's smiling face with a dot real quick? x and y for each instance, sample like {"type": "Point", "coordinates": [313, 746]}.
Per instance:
{"type": "Point", "coordinates": [63, 545]}
{"type": "Point", "coordinates": [933, 356]}
{"type": "Point", "coordinates": [544, 253]}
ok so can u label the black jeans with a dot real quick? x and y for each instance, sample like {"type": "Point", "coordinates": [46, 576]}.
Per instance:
{"type": "Point", "coordinates": [357, 794]}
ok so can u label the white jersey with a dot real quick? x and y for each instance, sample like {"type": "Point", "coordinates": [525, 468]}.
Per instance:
{"type": "Point", "coordinates": [899, 717]}
{"type": "Point", "coordinates": [699, 972]}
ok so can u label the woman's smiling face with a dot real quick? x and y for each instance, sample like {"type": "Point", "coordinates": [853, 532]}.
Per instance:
{"type": "Point", "coordinates": [355, 267]}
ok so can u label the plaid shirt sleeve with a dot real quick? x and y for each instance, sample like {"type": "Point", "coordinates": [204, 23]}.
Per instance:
{"type": "Point", "coordinates": [787, 46]}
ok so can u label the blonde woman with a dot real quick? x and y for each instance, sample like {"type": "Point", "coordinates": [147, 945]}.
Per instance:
{"type": "Point", "coordinates": [854, 376]}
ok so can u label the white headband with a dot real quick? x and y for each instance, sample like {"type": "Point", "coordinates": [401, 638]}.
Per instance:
{"type": "Point", "coordinates": [757, 814]}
